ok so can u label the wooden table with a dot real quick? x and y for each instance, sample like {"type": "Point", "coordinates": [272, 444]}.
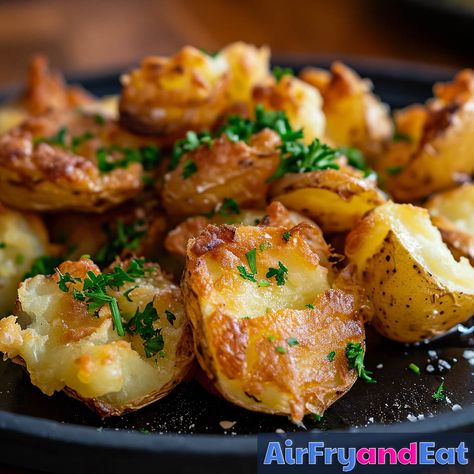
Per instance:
{"type": "Point", "coordinates": [92, 35]}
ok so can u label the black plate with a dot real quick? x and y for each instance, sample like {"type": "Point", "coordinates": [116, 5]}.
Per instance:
{"type": "Point", "coordinates": [47, 432]}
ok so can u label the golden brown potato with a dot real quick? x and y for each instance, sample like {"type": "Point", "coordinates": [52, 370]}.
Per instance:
{"type": "Point", "coordinates": [300, 101]}
{"type": "Point", "coordinates": [169, 96]}
{"type": "Point", "coordinates": [256, 338]}
{"type": "Point", "coordinates": [248, 67]}
{"type": "Point", "coordinates": [71, 161]}
{"type": "Point", "coordinates": [23, 238]}
{"type": "Point", "coordinates": [417, 288]}
{"type": "Point", "coordinates": [66, 347]}
{"type": "Point", "coordinates": [334, 199]}
{"type": "Point", "coordinates": [433, 151]}
{"type": "Point", "coordinates": [226, 169]}
{"type": "Point", "coordinates": [453, 213]}
{"type": "Point", "coordinates": [355, 117]}
{"type": "Point", "coordinates": [275, 215]}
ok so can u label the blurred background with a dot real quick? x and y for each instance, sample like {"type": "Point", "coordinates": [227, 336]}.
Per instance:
{"type": "Point", "coordinates": [94, 35]}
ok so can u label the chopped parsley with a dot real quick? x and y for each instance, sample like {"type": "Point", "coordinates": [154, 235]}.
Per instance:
{"type": "Point", "coordinates": [245, 274]}
{"type": "Point", "coordinates": [115, 156]}
{"type": "Point", "coordinates": [190, 142]}
{"type": "Point", "coordinates": [229, 207]}
{"type": "Point", "coordinates": [99, 119]}
{"type": "Point", "coordinates": [394, 170]}
{"type": "Point", "coordinates": [292, 341]}
{"type": "Point", "coordinates": [264, 246]}
{"type": "Point", "coordinates": [170, 317]}
{"type": "Point", "coordinates": [356, 159]}
{"type": "Point", "coordinates": [297, 157]}
{"type": "Point", "coordinates": [189, 169]}
{"type": "Point", "coordinates": [94, 288]}
{"type": "Point", "coordinates": [280, 273]}
{"type": "Point", "coordinates": [331, 356]}
{"type": "Point", "coordinates": [439, 394]}
{"type": "Point", "coordinates": [316, 417]}
{"type": "Point", "coordinates": [310, 306]}
{"type": "Point", "coordinates": [263, 283]}
{"type": "Point", "coordinates": [414, 368]}
{"type": "Point", "coordinates": [123, 237]}
{"type": "Point", "coordinates": [76, 142]}
{"type": "Point", "coordinates": [142, 324]}
{"type": "Point", "coordinates": [355, 358]}
{"type": "Point", "coordinates": [251, 256]}
{"type": "Point", "coordinates": [287, 236]}
{"type": "Point", "coordinates": [280, 349]}
{"type": "Point", "coordinates": [127, 293]}
{"type": "Point", "coordinates": [2, 245]}
{"type": "Point", "coordinates": [271, 338]}
{"type": "Point", "coordinates": [278, 72]}
{"type": "Point", "coordinates": [57, 139]}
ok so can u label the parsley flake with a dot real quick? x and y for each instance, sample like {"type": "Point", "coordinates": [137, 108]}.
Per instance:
{"type": "Point", "coordinates": [292, 341]}
{"type": "Point", "coordinates": [331, 356]}
{"type": "Point", "coordinates": [394, 170]}
{"type": "Point", "coordinates": [271, 338]}
{"type": "Point", "coordinates": [127, 293]}
{"type": "Point", "coordinates": [280, 273]}
{"type": "Point", "coordinates": [43, 265]}
{"type": "Point", "coordinates": [439, 394]}
{"type": "Point", "coordinates": [245, 274]}
{"type": "Point", "coordinates": [189, 169]}
{"type": "Point", "coordinates": [264, 246]}
{"type": "Point", "coordinates": [278, 72]}
{"type": "Point", "coordinates": [280, 349]}
{"type": "Point", "coordinates": [355, 358]}
{"type": "Point", "coordinates": [189, 143]}
{"type": "Point", "coordinates": [310, 306]}
{"type": "Point", "coordinates": [251, 256]}
{"type": "Point", "coordinates": [287, 236]}
{"type": "Point", "coordinates": [2, 245]}
{"type": "Point", "coordinates": [414, 368]}
{"type": "Point", "coordinates": [170, 317]}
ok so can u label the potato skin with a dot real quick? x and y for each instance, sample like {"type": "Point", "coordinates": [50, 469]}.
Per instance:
{"type": "Point", "coordinates": [45, 177]}
{"type": "Point", "coordinates": [334, 199]}
{"type": "Point", "coordinates": [411, 301]}
{"type": "Point", "coordinates": [92, 363]}
{"type": "Point", "coordinates": [226, 169]}
{"type": "Point", "coordinates": [438, 153]}
{"type": "Point", "coordinates": [355, 117]}
{"type": "Point", "coordinates": [451, 212]}
{"type": "Point", "coordinates": [236, 353]}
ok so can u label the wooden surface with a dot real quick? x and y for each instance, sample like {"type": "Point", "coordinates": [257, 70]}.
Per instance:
{"type": "Point", "coordinates": [92, 35]}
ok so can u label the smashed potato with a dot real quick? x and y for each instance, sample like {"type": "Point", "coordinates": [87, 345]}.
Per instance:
{"type": "Point", "coordinates": [433, 147]}
{"type": "Point", "coordinates": [172, 95]}
{"type": "Point", "coordinates": [229, 169]}
{"type": "Point", "coordinates": [453, 213]}
{"type": "Point", "coordinates": [275, 215]}
{"type": "Point", "coordinates": [301, 102]}
{"type": "Point", "coordinates": [334, 199]}
{"type": "Point", "coordinates": [417, 288]}
{"type": "Point", "coordinates": [65, 347]}
{"type": "Point", "coordinates": [355, 117]}
{"type": "Point", "coordinates": [256, 338]}
{"type": "Point", "coordinates": [23, 238]}
{"type": "Point", "coordinates": [72, 161]}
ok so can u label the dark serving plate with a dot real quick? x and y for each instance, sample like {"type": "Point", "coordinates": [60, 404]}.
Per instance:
{"type": "Point", "coordinates": [184, 432]}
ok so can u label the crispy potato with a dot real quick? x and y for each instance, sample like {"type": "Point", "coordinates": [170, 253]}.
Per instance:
{"type": "Point", "coordinates": [261, 346]}
{"type": "Point", "coordinates": [64, 347]}
{"type": "Point", "coordinates": [300, 101]}
{"type": "Point", "coordinates": [227, 169]}
{"type": "Point", "coordinates": [41, 168]}
{"type": "Point", "coordinates": [275, 215]}
{"type": "Point", "coordinates": [453, 213]}
{"type": "Point", "coordinates": [168, 96]}
{"type": "Point", "coordinates": [23, 238]}
{"type": "Point", "coordinates": [417, 288]}
{"type": "Point", "coordinates": [248, 67]}
{"type": "Point", "coordinates": [334, 199]}
{"type": "Point", "coordinates": [355, 117]}
{"type": "Point", "coordinates": [435, 153]}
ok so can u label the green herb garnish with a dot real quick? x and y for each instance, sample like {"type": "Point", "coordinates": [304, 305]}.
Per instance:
{"type": "Point", "coordinates": [316, 417]}
{"type": "Point", "coordinates": [280, 349]}
{"type": "Point", "coordinates": [43, 265]}
{"type": "Point", "coordinates": [394, 170]}
{"type": "Point", "coordinates": [414, 368]}
{"type": "Point", "coordinates": [127, 293]}
{"type": "Point", "coordinates": [356, 159]}
{"type": "Point", "coordinates": [170, 317]}
{"type": "Point", "coordinates": [439, 394]}
{"type": "Point", "coordinates": [2, 245]}
{"type": "Point", "coordinates": [58, 139]}
{"type": "Point", "coordinates": [229, 207]}
{"type": "Point", "coordinates": [115, 156]}
{"type": "Point", "coordinates": [292, 341]}
{"type": "Point", "coordinates": [192, 141]}
{"type": "Point", "coordinates": [310, 306]}
{"type": "Point", "coordinates": [331, 356]}
{"type": "Point", "coordinates": [287, 236]}
{"type": "Point", "coordinates": [251, 256]}
{"type": "Point", "coordinates": [264, 246]}
{"type": "Point", "coordinates": [401, 137]}
{"type": "Point", "coordinates": [280, 273]}
{"type": "Point", "coordinates": [278, 72]}
{"type": "Point", "coordinates": [189, 169]}
{"type": "Point", "coordinates": [245, 274]}
{"type": "Point", "coordinates": [355, 358]}
{"type": "Point", "coordinates": [263, 283]}
{"type": "Point", "coordinates": [271, 338]}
